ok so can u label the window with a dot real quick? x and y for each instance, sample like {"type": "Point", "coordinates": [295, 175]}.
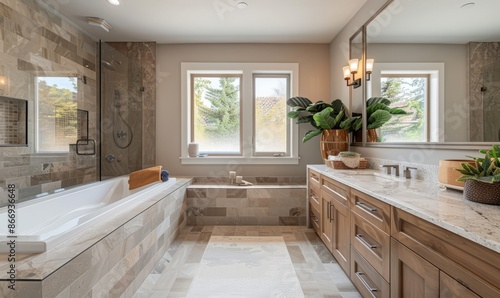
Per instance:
{"type": "Point", "coordinates": [270, 113]}
{"type": "Point", "coordinates": [216, 115]}
{"type": "Point", "coordinates": [237, 112]}
{"type": "Point", "coordinates": [56, 114]}
{"type": "Point", "coordinates": [419, 89]}
{"type": "Point", "coordinates": [411, 94]}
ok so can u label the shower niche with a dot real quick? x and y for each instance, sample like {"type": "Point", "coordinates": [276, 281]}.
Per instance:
{"type": "Point", "coordinates": [13, 122]}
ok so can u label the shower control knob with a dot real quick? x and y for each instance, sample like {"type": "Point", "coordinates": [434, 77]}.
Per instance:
{"type": "Point", "coordinates": [110, 158]}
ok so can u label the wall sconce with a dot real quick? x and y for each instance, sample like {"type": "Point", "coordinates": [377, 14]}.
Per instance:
{"type": "Point", "coordinates": [369, 68]}
{"type": "Point", "coordinates": [352, 69]}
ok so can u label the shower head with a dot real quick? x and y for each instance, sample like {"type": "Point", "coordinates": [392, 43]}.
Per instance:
{"type": "Point", "coordinates": [109, 65]}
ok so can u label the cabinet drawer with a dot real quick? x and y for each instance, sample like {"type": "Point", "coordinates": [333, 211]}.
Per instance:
{"type": "Point", "coordinates": [372, 244]}
{"type": "Point", "coordinates": [366, 279]}
{"type": "Point", "coordinates": [450, 288]}
{"type": "Point", "coordinates": [315, 219]}
{"type": "Point", "coordinates": [314, 199]}
{"type": "Point", "coordinates": [472, 265]}
{"type": "Point", "coordinates": [335, 189]}
{"type": "Point", "coordinates": [314, 181]}
{"type": "Point", "coordinates": [376, 212]}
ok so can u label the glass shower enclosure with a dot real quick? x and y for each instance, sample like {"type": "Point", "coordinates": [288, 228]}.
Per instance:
{"type": "Point", "coordinates": [491, 102]}
{"type": "Point", "coordinates": [121, 113]}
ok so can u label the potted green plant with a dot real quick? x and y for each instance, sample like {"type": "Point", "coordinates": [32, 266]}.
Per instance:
{"type": "Point", "coordinates": [378, 113]}
{"type": "Point", "coordinates": [329, 120]}
{"type": "Point", "coordinates": [482, 180]}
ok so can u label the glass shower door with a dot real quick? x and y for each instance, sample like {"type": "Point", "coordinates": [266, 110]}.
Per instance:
{"type": "Point", "coordinates": [491, 102]}
{"type": "Point", "coordinates": [121, 110]}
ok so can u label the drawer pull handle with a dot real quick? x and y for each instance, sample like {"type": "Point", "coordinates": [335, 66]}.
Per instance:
{"type": "Point", "coordinates": [328, 215]}
{"type": "Point", "coordinates": [331, 212]}
{"type": "Point", "coordinates": [314, 197]}
{"type": "Point", "coordinates": [366, 207]}
{"type": "Point", "coordinates": [360, 237]}
{"type": "Point", "coordinates": [363, 281]}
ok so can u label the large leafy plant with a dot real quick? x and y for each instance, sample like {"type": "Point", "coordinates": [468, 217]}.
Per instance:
{"type": "Point", "coordinates": [486, 169]}
{"type": "Point", "coordinates": [378, 113]}
{"type": "Point", "coordinates": [320, 115]}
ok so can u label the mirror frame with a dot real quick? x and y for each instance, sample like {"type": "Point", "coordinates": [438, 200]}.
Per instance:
{"type": "Point", "coordinates": [361, 74]}
{"type": "Point", "coordinates": [408, 145]}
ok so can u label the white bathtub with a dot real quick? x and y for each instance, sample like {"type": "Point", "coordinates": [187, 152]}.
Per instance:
{"type": "Point", "coordinates": [45, 222]}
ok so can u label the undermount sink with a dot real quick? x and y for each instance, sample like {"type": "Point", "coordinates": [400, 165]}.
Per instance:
{"type": "Point", "coordinates": [373, 177]}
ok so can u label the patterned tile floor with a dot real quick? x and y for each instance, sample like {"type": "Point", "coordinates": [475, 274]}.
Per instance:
{"type": "Point", "coordinates": [318, 273]}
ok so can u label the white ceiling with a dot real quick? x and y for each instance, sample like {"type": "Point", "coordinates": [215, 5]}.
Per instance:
{"type": "Point", "coordinates": [437, 21]}
{"type": "Point", "coordinates": [214, 21]}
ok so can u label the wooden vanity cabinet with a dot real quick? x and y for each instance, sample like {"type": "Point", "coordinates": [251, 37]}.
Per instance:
{"type": "Point", "coordinates": [412, 276]}
{"type": "Point", "coordinates": [314, 193]}
{"type": "Point", "coordinates": [336, 220]}
{"type": "Point", "coordinates": [388, 252]}
{"type": "Point", "coordinates": [450, 288]}
{"type": "Point", "coordinates": [461, 263]}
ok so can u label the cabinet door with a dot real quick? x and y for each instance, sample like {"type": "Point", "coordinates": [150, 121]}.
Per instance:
{"type": "Point", "coordinates": [326, 219]}
{"type": "Point", "coordinates": [411, 275]}
{"type": "Point", "coordinates": [450, 288]}
{"type": "Point", "coordinates": [341, 248]}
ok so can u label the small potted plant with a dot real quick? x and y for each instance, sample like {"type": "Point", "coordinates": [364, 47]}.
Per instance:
{"type": "Point", "coordinates": [330, 120]}
{"type": "Point", "coordinates": [378, 113]}
{"type": "Point", "coordinates": [482, 180]}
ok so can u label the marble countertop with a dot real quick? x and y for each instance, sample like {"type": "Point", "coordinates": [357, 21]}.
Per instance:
{"type": "Point", "coordinates": [448, 209]}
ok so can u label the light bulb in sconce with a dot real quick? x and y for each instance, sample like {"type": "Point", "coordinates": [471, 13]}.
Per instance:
{"type": "Point", "coordinates": [3, 81]}
{"type": "Point", "coordinates": [369, 68]}
{"type": "Point", "coordinates": [353, 65]}
{"type": "Point", "coordinates": [347, 72]}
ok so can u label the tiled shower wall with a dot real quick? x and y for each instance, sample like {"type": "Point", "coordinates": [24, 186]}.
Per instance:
{"type": "Point", "coordinates": [34, 41]}
{"type": "Point", "coordinates": [137, 88]}
{"type": "Point", "coordinates": [481, 55]}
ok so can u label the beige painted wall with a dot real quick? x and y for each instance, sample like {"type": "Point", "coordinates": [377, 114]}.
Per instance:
{"type": "Point", "coordinates": [339, 50]}
{"type": "Point", "coordinates": [314, 78]}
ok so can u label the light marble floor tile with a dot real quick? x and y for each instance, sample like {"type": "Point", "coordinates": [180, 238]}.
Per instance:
{"type": "Point", "coordinates": [317, 272]}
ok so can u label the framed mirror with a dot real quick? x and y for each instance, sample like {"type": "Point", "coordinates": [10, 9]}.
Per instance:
{"type": "Point", "coordinates": [356, 51]}
{"type": "Point", "coordinates": [440, 62]}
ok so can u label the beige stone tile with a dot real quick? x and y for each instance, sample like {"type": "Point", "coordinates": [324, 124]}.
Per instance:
{"type": "Point", "coordinates": [295, 254]}
{"type": "Point", "coordinates": [316, 278]}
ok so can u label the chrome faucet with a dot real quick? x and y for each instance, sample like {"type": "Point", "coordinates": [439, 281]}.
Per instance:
{"type": "Point", "coordinates": [390, 167]}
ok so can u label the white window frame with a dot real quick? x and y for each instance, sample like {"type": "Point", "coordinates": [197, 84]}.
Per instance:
{"type": "Point", "coordinates": [435, 117]}
{"type": "Point", "coordinates": [37, 118]}
{"type": "Point", "coordinates": [270, 75]}
{"type": "Point", "coordinates": [247, 70]}
{"type": "Point", "coordinates": [427, 97]}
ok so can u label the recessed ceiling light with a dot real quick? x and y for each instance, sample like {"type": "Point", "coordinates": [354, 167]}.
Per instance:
{"type": "Point", "coordinates": [99, 22]}
{"type": "Point", "coordinates": [114, 2]}
{"type": "Point", "coordinates": [242, 5]}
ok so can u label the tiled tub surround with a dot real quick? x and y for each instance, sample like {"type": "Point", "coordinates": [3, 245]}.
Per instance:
{"type": "Point", "coordinates": [110, 260]}
{"type": "Point", "coordinates": [444, 208]}
{"type": "Point", "coordinates": [270, 201]}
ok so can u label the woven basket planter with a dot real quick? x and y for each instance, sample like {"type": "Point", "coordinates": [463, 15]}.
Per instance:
{"type": "Point", "coordinates": [480, 192]}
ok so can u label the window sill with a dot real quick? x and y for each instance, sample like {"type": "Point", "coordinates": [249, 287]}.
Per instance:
{"type": "Point", "coordinates": [222, 160]}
